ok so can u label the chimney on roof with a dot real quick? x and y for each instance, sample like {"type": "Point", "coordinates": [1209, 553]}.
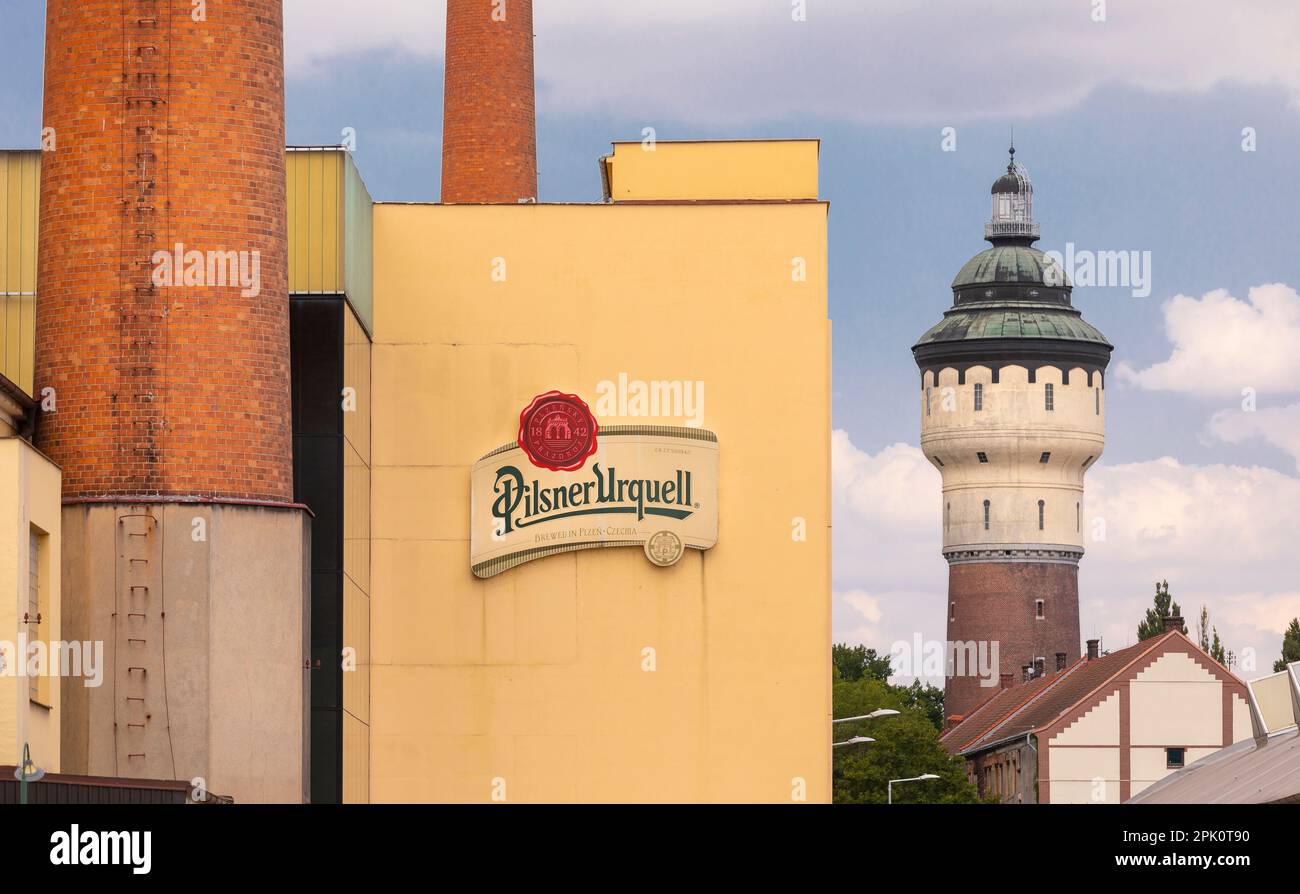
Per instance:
{"type": "Point", "coordinates": [1092, 649]}
{"type": "Point", "coordinates": [1040, 666]}
{"type": "Point", "coordinates": [1060, 661]}
{"type": "Point", "coordinates": [489, 107]}
{"type": "Point", "coordinates": [1174, 622]}
{"type": "Point", "coordinates": [1026, 673]}
{"type": "Point", "coordinates": [1006, 681]}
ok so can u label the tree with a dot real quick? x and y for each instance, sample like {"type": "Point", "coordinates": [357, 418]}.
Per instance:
{"type": "Point", "coordinates": [1216, 649]}
{"type": "Point", "coordinates": [906, 745]}
{"type": "Point", "coordinates": [1290, 646]}
{"type": "Point", "coordinates": [925, 698]}
{"type": "Point", "coordinates": [1203, 629]}
{"type": "Point", "coordinates": [1154, 622]}
{"type": "Point", "coordinates": [851, 663]}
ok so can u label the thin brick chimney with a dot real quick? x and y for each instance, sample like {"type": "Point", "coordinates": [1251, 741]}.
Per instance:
{"type": "Point", "coordinates": [1006, 681]}
{"type": "Point", "coordinates": [1174, 622]}
{"type": "Point", "coordinates": [1093, 649]}
{"type": "Point", "coordinates": [1040, 667]}
{"type": "Point", "coordinates": [489, 131]}
{"type": "Point", "coordinates": [1026, 673]}
{"type": "Point", "coordinates": [1060, 661]}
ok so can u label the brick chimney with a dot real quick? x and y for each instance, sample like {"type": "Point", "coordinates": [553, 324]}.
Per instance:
{"type": "Point", "coordinates": [489, 131]}
{"type": "Point", "coordinates": [1092, 649]}
{"type": "Point", "coordinates": [1060, 661]}
{"type": "Point", "coordinates": [1174, 622]}
{"type": "Point", "coordinates": [1006, 681]}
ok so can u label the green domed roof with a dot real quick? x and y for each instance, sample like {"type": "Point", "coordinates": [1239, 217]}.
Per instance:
{"type": "Point", "coordinates": [1003, 264]}
{"type": "Point", "coordinates": [1037, 321]}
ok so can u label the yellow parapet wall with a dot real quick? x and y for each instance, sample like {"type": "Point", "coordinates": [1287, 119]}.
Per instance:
{"type": "Point", "coordinates": [20, 173]}
{"type": "Point", "coordinates": [330, 225]}
{"type": "Point", "coordinates": [595, 676]}
{"type": "Point", "coordinates": [744, 170]}
{"type": "Point", "coordinates": [329, 220]}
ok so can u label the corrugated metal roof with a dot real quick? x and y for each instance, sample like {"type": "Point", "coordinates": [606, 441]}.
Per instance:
{"type": "Point", "coordinates": [1245, 773]}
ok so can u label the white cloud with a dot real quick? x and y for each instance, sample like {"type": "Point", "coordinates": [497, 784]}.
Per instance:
{"type": "Point", "coordinates": [1222, 535]}
{"type": "Point", "coordinates": [741, 60]}
{"type": "Point", "coordinates": [1279, 426]}
{"type": "Point", "coordinates": [1223, 345]}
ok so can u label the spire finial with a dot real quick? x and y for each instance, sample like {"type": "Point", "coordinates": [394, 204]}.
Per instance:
{"type": "Point", "coordinates": [1011, 165]}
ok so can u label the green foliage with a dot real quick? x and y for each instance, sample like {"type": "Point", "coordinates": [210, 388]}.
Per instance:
{"type": "Point", "coordinates": [1216, 649]}
{"type": "Point", "coordinates": [852, 663]}
{"type": "Point", "coordinates": [1154, 622]}
{"type": "Point", "coordinates": [925, 698]}
{"type": "Point", "coordinates": [906, 745]}
{"type": "Point", "coordinates": [1290, 646]}
{"type": "Point", "coordinates": [1203, 629]}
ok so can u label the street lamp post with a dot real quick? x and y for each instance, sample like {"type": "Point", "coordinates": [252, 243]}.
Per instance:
{"type": "Point", "coordinates": [26, 772]}
{"type": "Point", "coordinates": [883, 712]}
{"type": "Point", "coordinates": [890, 789]}
{"type": "Point", "coordinates": [854, 741]}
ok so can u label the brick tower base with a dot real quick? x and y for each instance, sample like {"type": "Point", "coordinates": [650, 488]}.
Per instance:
{"type": "Point", "coordinates": [996, 602]}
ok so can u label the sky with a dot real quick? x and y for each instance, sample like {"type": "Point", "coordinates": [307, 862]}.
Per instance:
{"type": "Point", "coordinates": [1131, 117]}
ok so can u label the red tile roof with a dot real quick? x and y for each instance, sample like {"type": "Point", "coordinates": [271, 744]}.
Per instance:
{"type": "Point", "coordinates": [1031, 706]}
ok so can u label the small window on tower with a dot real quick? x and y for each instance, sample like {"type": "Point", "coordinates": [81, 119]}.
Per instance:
{"type": "Point", "coordinates": [1078, 517]}
{"type": "Point", "coordinates": [952, 611]}
{"type": "Point", "coordinates": [1041, 506]}
{"type": "Point", "coordinates": [928, 392]}
{"type": "Point", "coordinates": [1038, 609]}
{"type": "Point", "coordinates": [982, 456]}
{"type": "Point", "coordinates": [1048, 397]}
{"type": "Point", "coordinates": [979, 397]}
{"type": "Point", "coordinates": [1097, 391]}
{"type": "Point", "coordinates": [1175, 758]}
{"type": "Point", "coordinates": [986, 515]}
{"type": "Point", "coordinates": [1046, 457]}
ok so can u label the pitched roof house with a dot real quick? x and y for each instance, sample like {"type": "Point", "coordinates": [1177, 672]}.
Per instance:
{"type": "Point", "coordinates": [1103, 728]}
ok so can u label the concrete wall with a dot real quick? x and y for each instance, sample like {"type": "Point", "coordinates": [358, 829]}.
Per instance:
{"type": "Point", "coordinates": [531, 685]}
{"type": "Point", "coordinates": [1013, 429]}
{"type": "Point", "coordinates": [203, 611]}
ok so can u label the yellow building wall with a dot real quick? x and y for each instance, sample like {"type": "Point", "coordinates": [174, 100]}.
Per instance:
{"type": "Point", "coordinates": [20, 173]}
{"type": "Point", "coordinates": [29, 500]}
{"type": "Point", "coordinates": [314, 196]}
{"type": "Point", "coordinates": [742, 170]}
{"type": "Point", "coordinates": [356, 562]}
{"type": "Point", "coordinates": [530, 686]}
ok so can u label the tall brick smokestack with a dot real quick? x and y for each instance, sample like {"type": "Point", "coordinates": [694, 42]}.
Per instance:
{"type": "Point", "coordinates": [162, 363]}
{"type": "Point", "coordinates": [167, 131]}
{"type": "Point", "coordinates": [489, 138]}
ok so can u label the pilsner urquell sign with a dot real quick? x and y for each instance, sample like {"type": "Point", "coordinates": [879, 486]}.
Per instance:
{"type": "Point", "coordinates": [568, 484]}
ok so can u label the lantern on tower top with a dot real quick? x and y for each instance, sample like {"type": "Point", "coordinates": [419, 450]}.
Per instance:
{"type": "Point", "coordinates": [1013, 207]}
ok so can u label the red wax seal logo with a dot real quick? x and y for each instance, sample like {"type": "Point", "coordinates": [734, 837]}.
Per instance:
{"type": "Point", "coordinates": [558, 431]}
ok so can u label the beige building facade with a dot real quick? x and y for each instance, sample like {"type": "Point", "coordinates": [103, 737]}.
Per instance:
{"type": "Point", "coordinates": [594, 675]}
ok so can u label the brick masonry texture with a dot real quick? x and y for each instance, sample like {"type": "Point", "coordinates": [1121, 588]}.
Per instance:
{"type": "Point", "coordinates": [995, 602]}
{"type": "Point", "coordinates": [489, 141]}
{"type": "Point", "coordinates": [168, 130]}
